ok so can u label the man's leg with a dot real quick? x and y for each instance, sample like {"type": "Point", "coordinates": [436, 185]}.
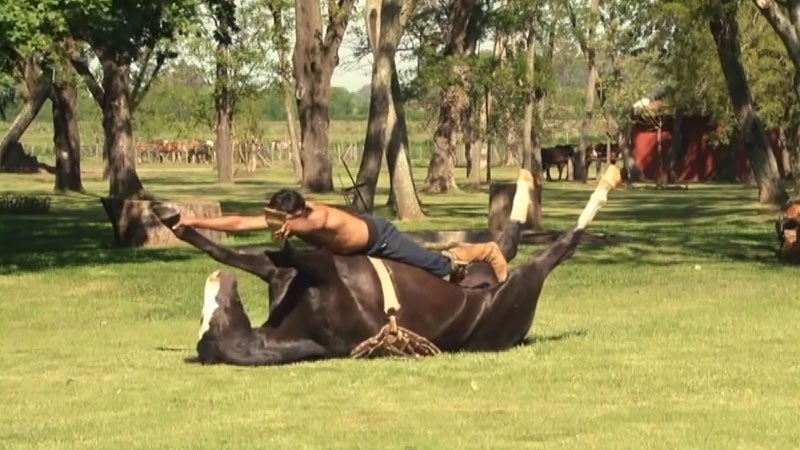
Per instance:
{"type": "Point", "coordinates": [489, 252]}
{"type": "Point", "coordinates": [393, 244]}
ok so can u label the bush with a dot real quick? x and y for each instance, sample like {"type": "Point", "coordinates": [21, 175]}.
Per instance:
{"type": "Point", "coordinates": [24, 204]}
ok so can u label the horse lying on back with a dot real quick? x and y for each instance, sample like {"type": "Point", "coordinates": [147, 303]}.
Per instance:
{"type": "Point", "coordinates": [325, 306]}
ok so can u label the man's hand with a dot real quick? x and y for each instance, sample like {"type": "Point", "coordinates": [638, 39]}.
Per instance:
{"type": "Point", "coordinates": [282, 234]}
{"type": "Point", "coordinates": [184, 222]}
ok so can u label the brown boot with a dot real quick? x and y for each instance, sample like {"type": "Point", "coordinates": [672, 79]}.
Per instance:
{"type": "Point", "coordinates": [487, 252]}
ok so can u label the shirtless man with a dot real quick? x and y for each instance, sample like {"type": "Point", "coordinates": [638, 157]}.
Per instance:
{"type": "Point", "coordinates": [343, 233]}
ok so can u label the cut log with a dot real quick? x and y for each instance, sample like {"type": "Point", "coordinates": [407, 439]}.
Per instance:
{"type": "Point", "coordinates": [501, 198]}
{"type": "Point", "coordinates": [135, 225]}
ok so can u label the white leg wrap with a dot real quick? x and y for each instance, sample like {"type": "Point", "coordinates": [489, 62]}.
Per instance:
{"type": "Point", "coordinates": [596, 202]}
{"type": "Point", "coordinates": [522, 198]}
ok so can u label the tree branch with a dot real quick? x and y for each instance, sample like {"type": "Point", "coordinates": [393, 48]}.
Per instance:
{"type": "Point", "coordinates": [574, 24]}
{"type": "Point", "coordinates": [337, 24]}
{"type": "Point", "coordinates": [783, 27]}
{"type": "Point", "coordinates": [139, 94]}
{"type": "Point", "coordinates": [139, 78]}
{"type": "Point", "coordinates": [81, 66]}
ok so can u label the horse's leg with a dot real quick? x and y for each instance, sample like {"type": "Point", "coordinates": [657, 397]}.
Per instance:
{"type": "Point", "coordinates": [254, 349]}
{"type": "Point", "coordinates": [256, 263]}
{"type": "Point", "coordinates": [565, 245]}
{"type": "Point", "coordinates": [508, 241]}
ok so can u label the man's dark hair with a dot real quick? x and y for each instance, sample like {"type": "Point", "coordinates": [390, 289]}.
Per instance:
{"type": "Point", "coordinates": [288, 201]}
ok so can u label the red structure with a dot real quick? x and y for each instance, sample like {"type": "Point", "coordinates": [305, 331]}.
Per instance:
{"type": "Point", "coordinates": [699, 158]}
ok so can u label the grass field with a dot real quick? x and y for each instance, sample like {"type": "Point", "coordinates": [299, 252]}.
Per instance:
{"type": "Point", "coordinates": [681, 335]}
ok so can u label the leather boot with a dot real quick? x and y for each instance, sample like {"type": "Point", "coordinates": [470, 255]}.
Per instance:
{"type": "Point", "coordinates": [487, 252]}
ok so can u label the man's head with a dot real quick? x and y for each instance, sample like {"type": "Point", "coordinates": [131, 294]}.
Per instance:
{"type": "Point", "coordinates": [288, 201]}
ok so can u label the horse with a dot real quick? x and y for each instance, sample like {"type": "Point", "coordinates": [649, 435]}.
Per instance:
{"type": "Point", "coordinates": [558, 156]}
{"type": "Point", "coordinates": [323, 305]}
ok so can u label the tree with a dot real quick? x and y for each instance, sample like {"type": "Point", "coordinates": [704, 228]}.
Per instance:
{"type": "Point", "coordinates": [38, 85]}
{"type": "Point", "coordinates": [386, 129]}
{"type": "Point", "coordinates": [784, 18]}
{"type": "Point", "coordinates": [230, 47]}
{"type": "Point", "coordinates": [66, 137]}
{"type": "Point", "coordinates": [461, 31]}
{"type": "Point", "coordinates": [117, 45]}
{"type": "Point", "coordinates": [724, 28]}
{"type": "Point", "coordinates": [24, 43]}
{"type": "Point", "coordinates": [315, 58]}
{"type": "Point", "coordinates": [586, 41]}
{"type": "Point", "coordinates": [280, 39]}
{"type": "Point", "coordinates": [37, 59]}
{"type": "Point", "coordinates": [223, 13]}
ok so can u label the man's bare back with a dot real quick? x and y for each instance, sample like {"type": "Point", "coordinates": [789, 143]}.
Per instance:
{"type": "Point", "coordinates": [325, 226]}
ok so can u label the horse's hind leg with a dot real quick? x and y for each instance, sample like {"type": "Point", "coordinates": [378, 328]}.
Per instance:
{"type": "Point", "coordinates": [565, 245]}
{"type": "Point", "coordinates": [508, 241]}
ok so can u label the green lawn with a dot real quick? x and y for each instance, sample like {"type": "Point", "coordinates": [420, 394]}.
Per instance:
{"type": "Point", "coordinates": [684, 334]}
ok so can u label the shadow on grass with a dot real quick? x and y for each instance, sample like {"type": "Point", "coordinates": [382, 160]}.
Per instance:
{"type": "Point", "coordinates": [535, 339]}
{"type": "Point", "coordinates": [69, 238]}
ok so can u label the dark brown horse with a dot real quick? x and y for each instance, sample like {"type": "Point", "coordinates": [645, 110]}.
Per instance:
{"type": "Point", "coordinates": [323, 305]}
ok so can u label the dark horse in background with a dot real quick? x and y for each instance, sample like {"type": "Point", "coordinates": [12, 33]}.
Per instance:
{"type": "Point", "coordinates": [323, 305]}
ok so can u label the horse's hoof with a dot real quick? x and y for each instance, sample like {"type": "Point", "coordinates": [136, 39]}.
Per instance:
{"type": "Point", "coordinates": [167, 213]}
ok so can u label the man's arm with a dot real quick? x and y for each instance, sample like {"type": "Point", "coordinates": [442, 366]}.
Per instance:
{"type": "Point", "coordinates": [225, 223]}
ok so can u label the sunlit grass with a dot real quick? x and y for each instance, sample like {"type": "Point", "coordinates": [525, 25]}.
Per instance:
{"type": "Point", "coordinates": [682, 334]}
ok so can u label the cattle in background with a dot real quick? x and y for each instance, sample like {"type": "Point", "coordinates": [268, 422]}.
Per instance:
{"type": "Point", "coordinates": [558, 156]}
{"type": "Point", "coordinates": [201, 152]}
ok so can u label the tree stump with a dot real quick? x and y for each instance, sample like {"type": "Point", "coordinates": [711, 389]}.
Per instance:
{"type": "Point", "coordinates": [501, 198]}
{"type": "Point", "coordinates": [135, 225]}
{"type": "Point", "coordinates": [15, 160]}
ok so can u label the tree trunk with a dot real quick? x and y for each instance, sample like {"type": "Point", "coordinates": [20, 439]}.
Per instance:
{"type": "Point", "coordinates": [474, 138]}
{"type": "Point", "coordinates": [222, 144]}
{"type": "Point", "coordinates": [460, 37]}
{"type": "Point", "coordinates": [579, 161]}
{"type": "Point", "coordinates": [118, 147]}
{"type": "Point", "coordinates": [793, 144]}
{"type": "Point", "coordinates": [529, 160]}
{"type": "Point", "coordinates": [291, 127]}
{"type": "Point", "coordinates": [587, 48]}
{"type": "Point", "coordinates": [441, 176]}
{"type": "Point", "coordinates": [725, 31]}
{"type": "Point", "coordinates": [676, 147]}
{"type": "Point", "coordinates": [37, 94]}
{"type": "Point", "coordinates": [315, 58]}
{"type": "Point", "coordinates": [66, 138]}
{"type": "Point", "coordinates": [527, 121]}
{"type": "Point", "coordinates": [386, 129]}
{"type": "Point", "coordinates": [281, 41]}
{"type": "Point", "coordinates": [405, 202]}
{"type": "Point", "coordinates": [375, 145]}
{"type": "Point", "coordinates": [632, 172]}
{"type": "Point", "coordinates": [512, 146]}
{"type": "Point", "coordinates": [223, 103]}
